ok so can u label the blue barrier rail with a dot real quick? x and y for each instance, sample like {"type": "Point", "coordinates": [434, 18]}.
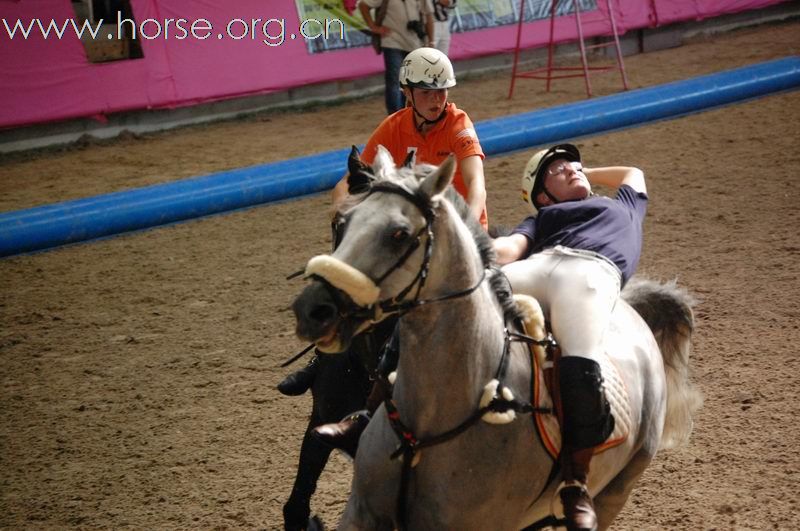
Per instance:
{"type": "Point", "coordinates": [58, 224]}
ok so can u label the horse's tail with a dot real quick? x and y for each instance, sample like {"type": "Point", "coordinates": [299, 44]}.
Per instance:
{"type": "Point", "coordinates": [667, 310]}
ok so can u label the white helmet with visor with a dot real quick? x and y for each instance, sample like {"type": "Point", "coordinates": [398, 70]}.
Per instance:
{"type": "Point", "coordinates": [427, 68]}
{"type": "Point", "coordinates": [534, 174]}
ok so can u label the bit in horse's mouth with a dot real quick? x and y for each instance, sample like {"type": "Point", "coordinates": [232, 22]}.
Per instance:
{"type": "Point", "coordinates": [327, 341]}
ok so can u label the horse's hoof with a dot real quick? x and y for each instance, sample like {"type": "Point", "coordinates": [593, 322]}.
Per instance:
{"type": "Point", "coordinates": [315, 524]}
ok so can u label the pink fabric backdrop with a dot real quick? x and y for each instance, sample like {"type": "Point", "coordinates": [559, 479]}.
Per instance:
{"type": "Point", "coordinates": [44, 80]}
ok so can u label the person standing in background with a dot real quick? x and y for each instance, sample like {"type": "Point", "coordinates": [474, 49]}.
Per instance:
{"type": "Point", "coordinates": [405, 26]}
{"type": "Point", "coordinates": [441, 24]}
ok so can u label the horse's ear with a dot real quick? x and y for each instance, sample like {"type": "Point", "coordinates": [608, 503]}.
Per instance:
{"type": "Point", "coordinates": [359, 177]}
{"type": "Point", "coordinates": [383, 165]}
{"type": "Point", "coordinates": [437, 181]}
{"type": "Point", "coordinates": [354, 163]}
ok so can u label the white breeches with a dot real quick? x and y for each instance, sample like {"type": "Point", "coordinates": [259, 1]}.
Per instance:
{"type": "Point", "coordinates": [577, 290]}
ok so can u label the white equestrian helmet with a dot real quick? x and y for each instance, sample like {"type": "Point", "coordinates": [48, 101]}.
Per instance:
{"type": "Point", "coordinates": [427, 68]}
{"type": "Point", "coordinates": [533, 175]}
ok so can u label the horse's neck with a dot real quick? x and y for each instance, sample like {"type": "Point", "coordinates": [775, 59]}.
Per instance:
{"type": "Point", "coordinates": [448, 353]}
{"type": "Point", "coordinates": [449, 349]}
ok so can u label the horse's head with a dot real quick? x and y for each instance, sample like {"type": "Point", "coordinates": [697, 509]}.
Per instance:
{"type": "Point", "coordinates": [383, 256]}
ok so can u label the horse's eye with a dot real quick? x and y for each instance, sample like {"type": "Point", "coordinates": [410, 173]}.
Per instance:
{"type": "Point", "coordinates": [400, 235]}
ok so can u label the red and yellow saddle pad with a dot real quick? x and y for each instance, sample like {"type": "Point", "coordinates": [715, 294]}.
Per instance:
{"type": "Point", "coordinates": [613, 386]}
{"type": "Point", "coordinates": [617, 397]}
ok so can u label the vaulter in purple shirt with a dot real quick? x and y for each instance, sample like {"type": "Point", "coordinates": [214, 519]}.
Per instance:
{"type": "Point", "coordinates": [573, 256]}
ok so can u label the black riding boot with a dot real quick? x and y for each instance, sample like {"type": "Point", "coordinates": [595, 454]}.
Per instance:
{"type": "Point", "coordinates": [344, 435]}
{"type": "Point", "coordinates": [587, 422]}
{"type": "Point", "coordinates": [299, 381]}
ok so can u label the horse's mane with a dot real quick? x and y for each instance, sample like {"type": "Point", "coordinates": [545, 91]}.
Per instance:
{"type": "Point", "coordinates": [497, 281]}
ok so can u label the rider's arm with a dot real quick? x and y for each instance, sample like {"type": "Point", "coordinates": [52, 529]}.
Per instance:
{"type": "Point", "coordinates": [364, 9]}
{"type": "Point", "coordinates": [475, 183]}
{"type": "Point", "coordinates": [429, 29]}
{"type": "Point", "coordinates": [510, 248]}
{"type": "Point", "coordinates": [616, 176]}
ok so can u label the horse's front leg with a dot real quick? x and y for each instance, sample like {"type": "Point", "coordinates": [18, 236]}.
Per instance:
{"type": "Point", "coordinates": [313, 458]}
{"type": "Point", "coordinates": [357, 518]}
{"type": "Point", "coordinates": [339, 388]}
{"type": "Point", "coordinates": [372, 504]}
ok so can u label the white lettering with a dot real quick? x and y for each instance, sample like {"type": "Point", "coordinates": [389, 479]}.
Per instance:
{"type": "Point", "coordinates": [120, 22]}
{"type": "Point", "coordinates": [273, 30]}
{"type": "Point", "coordinates": [93, 30]}
{"type": "Point", "coordinates": [253, 25]}
{"type": "Point", "coordinates": [201, 24]}
{"type": "Point", "coordinates": [167, 22]}
{"type": "Point", "coordinates": [18, 26]}
{"type": "Point", "coordinates": [144, 24]}
{"type": "Point", "coordinates": [52, 26]}
{"type": "Point", "coordinates": [328, 24]}
{"type": "Point", "coordinates": [179, 25]}
{"type": "Point", "coordinates": [244, 26]}
{"type": "Point", "coordinates": [308, 35]}
{"type": "Point", "coordinates": [274, 40]}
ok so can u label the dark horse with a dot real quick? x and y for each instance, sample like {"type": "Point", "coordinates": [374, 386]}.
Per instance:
{"type": "Point", "coordinates": [340, 387]}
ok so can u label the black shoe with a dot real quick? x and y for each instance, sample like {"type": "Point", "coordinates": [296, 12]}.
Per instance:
{"type": "Point", "coordinates": [343, 435]}
{"type": "Point", "coordinates": [300, 381]}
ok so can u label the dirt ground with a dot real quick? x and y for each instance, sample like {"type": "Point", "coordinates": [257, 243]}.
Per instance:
{"type": "Point", "coordinates": [138, 373]}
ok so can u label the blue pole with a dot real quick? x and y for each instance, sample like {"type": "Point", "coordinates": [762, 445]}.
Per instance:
{"type": "Point", "coordinates": [104, 215]}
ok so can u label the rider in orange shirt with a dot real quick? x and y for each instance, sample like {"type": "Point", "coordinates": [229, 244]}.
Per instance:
{"type": "Point", "coordinates": [430, 129]}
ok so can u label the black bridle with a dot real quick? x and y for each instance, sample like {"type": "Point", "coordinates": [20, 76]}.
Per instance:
{"type": "Point", "coordinates": [400, 304]}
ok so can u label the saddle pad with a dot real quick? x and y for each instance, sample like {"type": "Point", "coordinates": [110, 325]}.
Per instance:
{"type": "Point", "coordinates": [617, 397]}
{"type": "Point", "coordinates": [613, 387]}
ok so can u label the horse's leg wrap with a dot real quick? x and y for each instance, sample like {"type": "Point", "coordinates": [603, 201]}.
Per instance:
{"type": "Point", "coordinates": [587, 419]}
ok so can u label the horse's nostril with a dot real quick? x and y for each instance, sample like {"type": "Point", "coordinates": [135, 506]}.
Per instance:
{"type": "Point", "coordinates": [322, 313]}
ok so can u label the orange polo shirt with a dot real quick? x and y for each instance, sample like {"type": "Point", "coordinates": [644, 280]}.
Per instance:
{"type": "Point", "coordinates": [453, 134]}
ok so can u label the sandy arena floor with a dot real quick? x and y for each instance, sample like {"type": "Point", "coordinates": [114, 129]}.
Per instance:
{"type": "Point", "coordinates": [138, 373]}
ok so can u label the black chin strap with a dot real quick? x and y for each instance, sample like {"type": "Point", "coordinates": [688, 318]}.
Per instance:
{"type": "Point", "coordinates": [549, 195]}
{"type": "Point", "coordinates": [556, 201]}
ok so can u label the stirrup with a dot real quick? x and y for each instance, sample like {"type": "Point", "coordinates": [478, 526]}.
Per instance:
{"type": "Point", "coordinates": [358, 415]}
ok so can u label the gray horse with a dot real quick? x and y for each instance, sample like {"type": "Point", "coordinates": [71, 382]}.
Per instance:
{"type": "Point", "coordinates": [428, 460]}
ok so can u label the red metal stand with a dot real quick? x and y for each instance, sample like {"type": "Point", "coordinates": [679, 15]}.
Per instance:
{"type": "Point", "coordinates": [546, 72]}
